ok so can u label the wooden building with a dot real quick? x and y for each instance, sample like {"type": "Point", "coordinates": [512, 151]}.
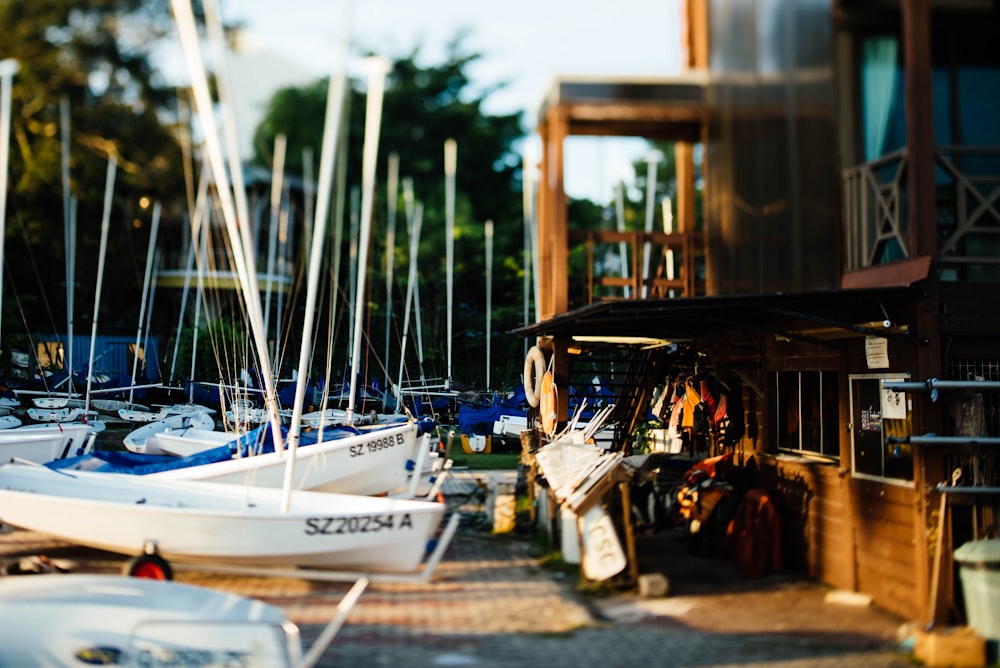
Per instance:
{"type": "Point", "coordinates": [846, 158]}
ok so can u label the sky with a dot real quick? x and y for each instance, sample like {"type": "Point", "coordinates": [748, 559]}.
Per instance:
{"type": "Point", "coordinates": [524, 44]}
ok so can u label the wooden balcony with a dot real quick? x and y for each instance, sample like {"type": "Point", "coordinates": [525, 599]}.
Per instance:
{"type": "Point", "coordinates": [657, 265]}
{"type": "Point", "coordinates": [967, 212]}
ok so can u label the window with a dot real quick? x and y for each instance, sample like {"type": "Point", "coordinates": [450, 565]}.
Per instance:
{"type": "Point", "coordinates": [878, 417]}
{"type": "Point", "coordinates": [806, 415]}
{"type": "Point", "coordinates": [50, 355]}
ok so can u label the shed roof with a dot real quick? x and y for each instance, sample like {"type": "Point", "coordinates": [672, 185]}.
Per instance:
{"type": "Point", "coordinates": [820, 315]}
{"type": "Point", "coordinates": [629, 106]}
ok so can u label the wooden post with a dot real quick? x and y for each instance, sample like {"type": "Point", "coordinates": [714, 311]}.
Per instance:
{"type": "Point", "coordinates": [633, 564]}
{"type": "Point", "coordinates": [916, 31]}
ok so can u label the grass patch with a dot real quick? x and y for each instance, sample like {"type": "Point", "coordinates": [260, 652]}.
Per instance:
{"type": "Point", "coordinates": [479, 461]}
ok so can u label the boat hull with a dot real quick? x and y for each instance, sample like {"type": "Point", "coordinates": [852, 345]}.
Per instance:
{"type": "Point", "coordinates": [44, 445]}
{"type": "Point", "coordinates": [209, 523]}
{"type": "Point", "coordinates": [71, 620]}
{"type": "Point", "coordinates": [373, 462]}
{"type": "Point", "coordinates": [140, 440]}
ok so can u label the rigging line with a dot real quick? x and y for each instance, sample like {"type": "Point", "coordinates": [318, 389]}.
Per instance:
{"type": "Point", "coordinates": [205, 261]}
{"type": "Point", "coordinates": [226, 357]}
{"type": "Point", "coordinates": [12, 286]}
{"type": "Point", "coordinates": [332, 338]}
{"type": "Point", "coordinates": [322, 288]}
{"type": "Point", "coordinates": [336, 290]}
{"type": "Point", "coordinates": [284, 327]}
{"type": "Point", "coordinates": [213, 296]}
{"type": "Point", "coordinates": [38, 278]}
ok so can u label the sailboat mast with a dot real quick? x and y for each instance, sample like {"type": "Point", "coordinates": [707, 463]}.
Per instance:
{"type": "Point", "coordinates": [216, 37]}
{"type": "Point", "coordinates": [376, 68]}
{"type": "Point", "coordinates": [8, 68]}
{"type": "Point", "coordinates": [149, 319]}
{"type": "Point", "coordinates": [352, 264]}
{"type": "Point", "coordinates": [109, 188]}
{"type": "Point", "coordinates": [277, 185]}
{"type": "Point", "coordinates": [69, 230]}
{"type": "Point", "coordinates": [410, 287]}
{"type": "Point", "coordinates": [450, 159]}
{"type": "Point", "coordinates": [187, 31]}
{"type": "Point", "coordinates": [202, 260]}
{"type": "Point", "coordinates": [392, 193]}
{"type": "Point", "coordinates": [153, 230]}
{"type": "Point", "coordinates": [196, 215]}
{"type": "Point", "coordinates": [331, 133]}
{"type": "Point", "coordinates": [489, 295]}
{"type": "Point", "coordinates": [620, 218]}
{"type": "Point", "coordinates": [409, 202]}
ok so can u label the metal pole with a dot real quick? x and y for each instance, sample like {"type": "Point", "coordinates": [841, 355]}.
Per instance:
{"type": "Point", "coordinates": [8, 68]}
{"type": "Point", "coordinates": [109, 188]}
{"type": "Point", "coordinates": [151, 249]}
{"type": "Point", "coordinates": [450, 160]}
{"type": "Point", "coordinates": [489, 295]}
{"type": "Point", "coordinates": [392, 188]}
{"type": "Point", "coordinates": [376, 68]}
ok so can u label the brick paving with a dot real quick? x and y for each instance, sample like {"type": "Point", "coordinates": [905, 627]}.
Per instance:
{"type": "Point", "coordinates": [491, 603]}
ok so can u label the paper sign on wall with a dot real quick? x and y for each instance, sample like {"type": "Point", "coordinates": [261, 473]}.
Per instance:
{"type": "Point", "coordinates": [893, 402]}
{"type": "Point", "coordinates": [877, 352]}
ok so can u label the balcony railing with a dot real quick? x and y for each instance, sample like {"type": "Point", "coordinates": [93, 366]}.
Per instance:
{"type": "Point", "coordinates": [607, 265]}
{"type": "Point", "coordinates": [967, 212]}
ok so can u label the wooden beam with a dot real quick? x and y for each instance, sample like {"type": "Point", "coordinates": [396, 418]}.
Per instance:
{"type": "Point", "coordinates": [919, 103]}
{"type": "Point", "coordinates": [553, 272]}
{"type": "Point", "coordinates": [696, 25]}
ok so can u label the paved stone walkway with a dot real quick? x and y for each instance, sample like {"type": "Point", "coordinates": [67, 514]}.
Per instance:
{"type": "Point", "coordinates": [492, 604]}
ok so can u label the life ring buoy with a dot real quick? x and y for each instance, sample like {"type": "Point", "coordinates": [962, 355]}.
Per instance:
{"type": "Point", "coordinates": [534, 369]}
{"type": "Point", "coordinates": [548, 404]}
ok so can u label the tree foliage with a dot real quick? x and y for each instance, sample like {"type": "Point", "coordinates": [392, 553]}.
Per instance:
{"type": "Point", "coordinates": [94, 59]}
{"type": "Point", "coordinates": [423, 107]}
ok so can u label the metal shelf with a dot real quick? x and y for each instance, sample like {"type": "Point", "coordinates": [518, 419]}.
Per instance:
{"type": "Point", "coordinates": [930, 439]}
{"type": "Point", "coordinates": [934, 385]}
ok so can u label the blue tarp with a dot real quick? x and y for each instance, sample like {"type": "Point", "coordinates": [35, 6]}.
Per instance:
{"type": "Point", "coordinates": [257, 441]}
{"type": "Point", "coordinates": [137, 464]}
{"type": "Point", "coordinates": [479, 419]}
{"type": "Point", "coordinates": [473, 420]}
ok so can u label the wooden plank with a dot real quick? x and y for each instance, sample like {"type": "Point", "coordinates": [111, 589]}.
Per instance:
{"type": "Point", "coordinates": [905, 272]}
{"type": "Point", "coordinates": [818, 531]}
{"type": "Point", "coordinates": [834, 567]}
{"type": "Point", "coordinates": [828, 506]}
{"type": "Point", "coordinates": [902, 535]}
{"type": "Point", "coordinates": [892, 595]}
{"type": "Point", "coordinates": [872, 490]}
{"type": "Point", "coordinates": [897, 568]}
{"type": "Point", "coordinates": [885, 548]}
{"type": "Point", "coordinates": [872, 513]}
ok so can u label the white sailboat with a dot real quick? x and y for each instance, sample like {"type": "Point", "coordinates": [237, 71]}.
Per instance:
{"type": "Point", "coordinates": [247, 524]}
{"type": "Point", "coordinates": [210, 524]}
{"type": "Point", "coordinates": [62, 415]}
{"type": "Point", "coordinates": [138, 440]}
{"type": "Point", "coordinates": [162, 412]}
{"type": "Point", "coordinates": [44, 443]}
{"type": "Point", "coordinates": [369, 462]}
{"type": "Point", "coordinates": [64, 620]}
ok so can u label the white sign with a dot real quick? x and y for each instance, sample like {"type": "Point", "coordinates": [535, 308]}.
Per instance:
{"type": "Point", "coordinates": [893, 402]}
{"type": "Point", "coordinates": [602, 552]}
{"type": "Point", "coordinates": [877, 352]}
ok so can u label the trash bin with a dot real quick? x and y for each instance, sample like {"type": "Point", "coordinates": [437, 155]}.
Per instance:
{"type": "Point", "coordinates": [979, 570]}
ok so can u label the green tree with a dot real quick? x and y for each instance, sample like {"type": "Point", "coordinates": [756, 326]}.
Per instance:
{"type": "Point", "coordinates": [423, 107]}
{"type": "Point", "coordinates": [94, 57]}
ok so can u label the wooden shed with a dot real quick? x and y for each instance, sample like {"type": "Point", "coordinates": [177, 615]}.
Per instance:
{"type": "Point", "coordinates": [840, 274]}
